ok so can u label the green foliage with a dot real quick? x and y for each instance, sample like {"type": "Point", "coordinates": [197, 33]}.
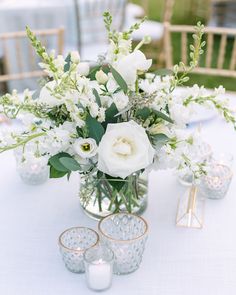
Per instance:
{"type": "Point", "coordinates": [116, 182]}
{"type": "Point", "coordinates": [68, 63]}
{"type": "Point", "coordinates": [110, 115]}
{"type": "Point", "coordinates": [119, 79]}
{"type": "Point", "coordinates": [146, 112]}
{"type": "Point", "coordinates": [70, 163]}
{"type": "Point", "coordinates": [95, 129]}
{"type": "Point", "coordinates": [55, 173]}
{"type": "Point", "coordinates": [98, 99]}
{"type": "Point", "coordinates": [55, 162]}
{"type": "Point", "coordinates": [59, 114]}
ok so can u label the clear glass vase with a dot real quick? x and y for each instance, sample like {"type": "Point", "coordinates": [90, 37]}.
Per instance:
{"type": "Point", "coordinates": [100, 197]}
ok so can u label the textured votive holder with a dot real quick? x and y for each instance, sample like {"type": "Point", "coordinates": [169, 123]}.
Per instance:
{"type": "Point", "coordinates": [73, 242]}
{"type": "Point", "coordinates": [216, 183]}
{"type": "Point", "coordinates": [126, 234]}
{"type": "Point", "coordinates": [99, 267]}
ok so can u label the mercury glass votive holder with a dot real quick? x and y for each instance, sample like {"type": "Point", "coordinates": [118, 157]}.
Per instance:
{"type": "Point", "coordinates": [99, 267]}
{"type": "Point", "coordinates": [216, 183]}
{"type": "Point", "coordinates": [126, 234]}
{"type": "Point", "coordinates": [32, 170]}
{"type": "Point", "coordinates": [73, 242]}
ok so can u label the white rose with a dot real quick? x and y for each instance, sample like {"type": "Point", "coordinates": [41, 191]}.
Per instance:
{"type": "Point", "coordinates": [121, 100]}
{"type": "Point", "coordinates": [132, 64]}
{"type": "Point", "coordinates": [83, 68]}
{"type": "Point", "coordinates": [124, 149]}
{"type": "Point", "coordinates": [85, 147]}
{"type": "Point", "coordinates": [46, 97]}
{"type": "Point", "coordinates": [101, 77]}
{"type": "Point", "coordinates": [74, 56]}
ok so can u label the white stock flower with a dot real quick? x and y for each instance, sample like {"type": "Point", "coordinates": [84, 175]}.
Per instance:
{"type": "Point", "coordinates": [47, 98]}
{"type": "Point", "coordinates": [124, 149]}
{"type": "Point", "coordinates": [121, 100]}
{"type": "Point", "coordinates": [179, 113]}
{"type": "Point", "coordinates": [101, 77]}
{"type": "Point", "coordinates": [83, 68]}
{"type": "Point", "coordinates": [85, 147]}
{"type": "Point", "coordinates": [131, 65]}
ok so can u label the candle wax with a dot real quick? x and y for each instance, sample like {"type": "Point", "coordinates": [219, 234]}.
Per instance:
{"type": "Point", "coordinates": [99, 275]}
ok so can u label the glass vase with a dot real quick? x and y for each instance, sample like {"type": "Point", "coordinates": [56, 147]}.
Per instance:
{"type": "Point", "coordinates": [100, 197]}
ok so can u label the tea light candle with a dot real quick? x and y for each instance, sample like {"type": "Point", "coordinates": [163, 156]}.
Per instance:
{"type": "Point", "coordinates": [99, 275]}
{"type": "Point", "coordinates": [99, 267]}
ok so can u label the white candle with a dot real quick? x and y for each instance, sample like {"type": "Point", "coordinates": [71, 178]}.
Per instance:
{"type": "Point", "coordinates": [99, 275]}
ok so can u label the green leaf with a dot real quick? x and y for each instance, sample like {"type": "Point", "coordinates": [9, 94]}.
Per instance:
{"type": "Point", "coordinates": [95, 129]}
{"type": "Point", "coordinates": [55, 173]}
{"type": "Point", "coordinates": [68, 62]}
{"type": "Point", "coordinates": [98, 99]}
{"type": "Point", "coordinates": [110, 115]}
{"type": "Point", "coordinates": [163, 72]}
{"type": "Point", "coordinates": [116, 182]}
{"type": "Point", "coordinates": [160, 139]}
{"type": "Point", "coordinates": [70, 163]}
{"type": "Point", "coordinates": [54, 161]}
{"type": "Point", "coordinates": [119, 79]}
{"type": "Point", "coordinates": [143, 113]}
{"type": "Point", "coordinates": [93, 71]}
{"type": "Point", "coordinates": [163, 116]}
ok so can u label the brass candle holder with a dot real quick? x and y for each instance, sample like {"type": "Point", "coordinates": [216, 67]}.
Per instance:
{"type": "Point", "coordinates": [190, 212]}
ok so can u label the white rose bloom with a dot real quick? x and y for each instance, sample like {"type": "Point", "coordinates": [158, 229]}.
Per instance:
{"type": "Point", "coordinates": [83, 68]}
{"type": "Point", "coordinates": [46, 97]}
{"type": "Point", "coordinates": [85, 147]}
{"type": "Point", "coordinates": [101, 77]}
{"type": "Point", "coordinates": [130, 65]}
{"type": "Point", "coordinates": [124, 149]}
{"type": "Point", "coordinates": [121, 100]}
{"type": "Point", "coordinates": [75, 57]}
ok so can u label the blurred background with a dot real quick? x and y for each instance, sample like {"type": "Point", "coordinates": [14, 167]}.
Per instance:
{"type": "Point", "coordinates": [66, 25]}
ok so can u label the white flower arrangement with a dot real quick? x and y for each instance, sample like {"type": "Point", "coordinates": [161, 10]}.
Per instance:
{"type": "Point", "coordinates": [114, 119]}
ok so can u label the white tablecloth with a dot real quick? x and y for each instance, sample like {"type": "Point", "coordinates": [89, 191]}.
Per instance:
{"type": "Point", "coordinates": [176, 261]}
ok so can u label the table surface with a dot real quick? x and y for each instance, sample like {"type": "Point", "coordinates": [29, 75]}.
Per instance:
{"type": "Point", "coordinates": [177, 261]}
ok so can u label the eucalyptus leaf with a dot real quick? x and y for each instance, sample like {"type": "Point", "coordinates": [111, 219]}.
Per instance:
{"type": "Point", "coordinates": [70, 163]}
{"type": "Point", "coordinates": [163, 116]}
{"type": "Point", "coordinates": [55, 173]}
{"type": "Point", "coordinates": [68, 62]}
{"type": "Point", "coordinates": [54, 161]}
{"type": "Point", "coordinates": [160, 139]}
{"type": "Point", "coordinates": [143, 113]}
{"type": "Point", "coordinates": [95, 129]}
{"type": "Point", "coordinates": [111, 115]}
{"type": "Point", "coordinates": [119, 79]}
{"type": "Point", "coordinates": [97, 96]}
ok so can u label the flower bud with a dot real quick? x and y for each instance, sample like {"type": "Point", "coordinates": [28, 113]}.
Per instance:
{"type": "Point", "coordinates": [83, 68]}
{"type": "Point", "coordinates": [101, 77]}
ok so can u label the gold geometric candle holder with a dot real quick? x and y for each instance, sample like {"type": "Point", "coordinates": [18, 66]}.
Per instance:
{"type": "Point", "coordinates": [190, 212]}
